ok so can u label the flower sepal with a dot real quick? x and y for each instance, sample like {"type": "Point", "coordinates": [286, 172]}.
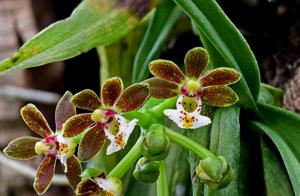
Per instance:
{"type": "Point", "coordinates": [146, 171]}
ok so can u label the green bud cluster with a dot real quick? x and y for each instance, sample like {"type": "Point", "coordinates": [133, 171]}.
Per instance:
{"type": "Point", "coordinates": [146, 171]}
{"type": "Point", "coordinates": [156, 144]}
{"type": "Point", "coordinates": [215, 172]}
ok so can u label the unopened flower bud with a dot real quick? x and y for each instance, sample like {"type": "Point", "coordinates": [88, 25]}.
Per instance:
{"type": "Point", "coordinates": [156, 144]}
{"type": "Point", "coordinates": [215, 172]}
{"type": "Point", "coordinates": [146, 171]}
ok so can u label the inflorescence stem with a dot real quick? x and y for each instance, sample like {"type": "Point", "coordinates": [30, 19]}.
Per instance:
{"type": "Point", "coordinates": [128, 161]}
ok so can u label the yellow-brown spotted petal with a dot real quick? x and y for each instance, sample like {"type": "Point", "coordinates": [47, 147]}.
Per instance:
{"type": "Point", "coordinates": [35, 120]}
{"type": "Point", "coordinates": [91, 143]}
{"type": "Point", "coordinates": [44, 174]}
{"type": "Point", "coordinates": [64, 110]}
{"type": "Point", "coordinates": [195, 61]}
{"type": "Point", "coordinates": [86, 99]}
{"type": "Point", "coordinates": [166, 70]}
{"type": "Point", "coordinates": [111, 90]}
{"type": "Point", "coordinates": [88, 187]}
{"type": "Point", "coordinates": [73, 171]}
{"type": "Point", "coordinates": [220, 76]}
{"type": "Point", "coordinates": [219, 96]}
{"type": "Point", "coordinates": [77, 124]}
{"type": "Point", "coordinates": [133, 97]}
{"type": "Point", "coordinates": [162, 89]}
{"type": "Point", "coordinates": [22, 148]}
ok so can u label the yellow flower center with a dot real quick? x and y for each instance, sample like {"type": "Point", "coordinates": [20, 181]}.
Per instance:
{"type": "Point", "coordinates": [193, 87]}
{"type": "Point", "coordinates": [98, 116]}
{"type": "Point", "coordinates": [188, 121]}
{"type": "Point", "coordinates": [63, 148]}
{"type": "Point", "coordinates": [44, 147]}
{"type": "Point", "coordinates": [120, 140]}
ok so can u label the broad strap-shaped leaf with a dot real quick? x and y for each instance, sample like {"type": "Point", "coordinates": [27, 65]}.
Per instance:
{"type": "Point", "coordinates": [225, 141]}
{"type": "Point", "coordinates": [88, 187]}
{"type": "Point", "coordinates": [77, 124]}
{"type": "Point", "coordinates": [44, 174]}
{"type": "Point", "coordinates": [164, 18]}
{"type": "Point", "coordinates": [221, 35]}
{"type": "Point", "coordinates": [290, 158]}
{"type": "Point", "coordinates": [111, 90]}
{"type": "Point", "coordinates": [86, 99]}
{"type": "Point", "coordinates": [282, 127]}
{"type": "Point", "coordinates": [73, 171]}
{"type": "Point", "coordinates": [93, 23]}
{"type": "Point", "coordinates": [64, 110]}
{"type": "Point", "coordinates": [220, 76]}
{"type": "Point", "coordinates": [195, 61]}
{"type": "Point", "coordinates": [22, 148]}
{"type": "Point", "coordinates": [220, 96]}
{"type": "Point", "coordinates": [91, 143]}
{"type": "Point", "coordinates": [162, 89]}
{"type": "Point", "coordinates": [35, 120]}
{"type": "Point", "coordinates": [275, 174]}
{"type": "Point", "coordinates": [133, 97]}
{"type": "Point", "coordinates": [166, 70]}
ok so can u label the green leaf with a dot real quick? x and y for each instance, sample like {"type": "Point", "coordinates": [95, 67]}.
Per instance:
{"type": "Point", "coordinates": [116, 59]}
{"type": "Point", "coordinates": [265, 96]}
{"type": "Point", "coordinates": [274, 172]}
{"type": "Point", "coordinates": [178, 171]}
{"type": "Point", "coordinates": [228, 42]}
{"type": "Point", "coordinates": [93, 23]}
{"type": "Point", "coordinates": [277, 93]}
{"type": "Point", "coordinates": [225, 141]}
{"type": "Point", "coordinates": [282, 127]}
{"type": "Point", "coordinates": [200, 135]}
{"type": "Point", "coordinates": [164, 18]}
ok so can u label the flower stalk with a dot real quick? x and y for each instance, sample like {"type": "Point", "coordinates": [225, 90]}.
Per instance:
{"type": "Point", "coordinates": [128, 161]}
{"type": "Point", "coordinates": [188, 144]}
{"type": "Point", "coordinates": [162, 182]}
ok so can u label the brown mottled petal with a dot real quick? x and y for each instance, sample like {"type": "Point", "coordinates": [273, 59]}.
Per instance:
{"type": "Point", "coordinates": [111, 90]}
{"type": "Point", "coordinates": [220, 96]}
{"type": "Point", "coordinates": [162, 89]}
{"type": "Point", "coordinates": [73, 171]}
{"type": "Point", "coordinates": [88, 187]}
{"type": "Point", "coordinates": [220, 76]}
{"type": "Point", "coordinates": [64, 110]}
{"type": "Point", "coordinates": [22, 148]}
{"type": "Point", "coordinates": [44, 174]}
{"type": "Point", "coordinates": [133, 97]}
{"type": "Point", "coordinates": [166, 70]}
{"type": "Point", "coordinates": [35, 120]}
{"type": "Point", "coordinates": [195, 61]}
{"type": "Point", "coordinates": [91, 143]}
{"type": "Point", "coordinates": [86, 99]}
{"type": "Point", "coordinates": [77, 124]}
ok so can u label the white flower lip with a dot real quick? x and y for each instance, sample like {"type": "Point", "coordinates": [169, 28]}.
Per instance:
{"type": "Point", "coordinates": [185, 119]}
{"type": "Point", "coordinates": [119, 140]}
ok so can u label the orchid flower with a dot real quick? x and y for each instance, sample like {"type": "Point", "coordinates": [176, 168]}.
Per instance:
{"type": "Point", "coordinates": [100, 186]}
{"type": "Point", "coordinates": [53, 145]}
{"type": "Point", "coordinates": [212, 89]}
{"type": "Point", "coordinates": [105, 120]}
